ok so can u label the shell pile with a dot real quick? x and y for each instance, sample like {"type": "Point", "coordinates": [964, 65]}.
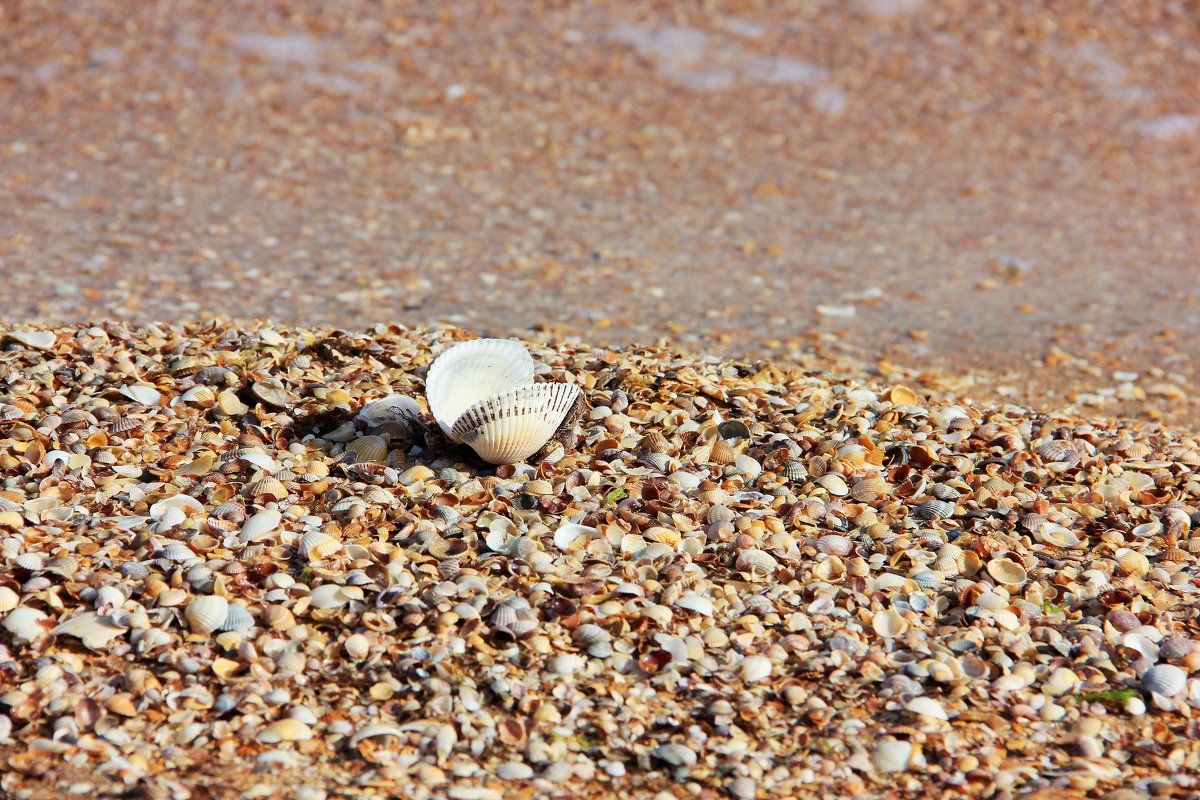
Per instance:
{"type": "Point", "coordinates": [245, 556]}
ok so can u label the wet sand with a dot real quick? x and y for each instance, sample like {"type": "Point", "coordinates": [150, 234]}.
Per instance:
{"type": "Point", "coordinates": [1008, 192]}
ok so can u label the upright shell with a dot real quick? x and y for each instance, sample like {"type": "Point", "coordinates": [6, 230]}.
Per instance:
{"type": "Point", "coordinates": [469, 372]}
{"type": "Point", "coordinates": [512, 426]}
{"type": "Point", "coordinates": [207, 613]}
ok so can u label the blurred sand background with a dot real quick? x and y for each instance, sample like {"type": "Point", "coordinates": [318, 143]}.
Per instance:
{"type": "Point", "coordinates": [951, 187]}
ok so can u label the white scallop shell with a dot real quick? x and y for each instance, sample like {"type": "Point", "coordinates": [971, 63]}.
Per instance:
{"type": "Point", "coordinates": [469, 372]}
{"type": "Point", "coordinates": [207, 613]}
{"type": "Point", "coordinates": [927, 707]}
{"type": "Point", "coordinates": [513, 425]}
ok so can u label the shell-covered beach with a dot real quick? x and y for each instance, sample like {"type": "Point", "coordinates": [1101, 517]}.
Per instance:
{"type": "Point", "coordinates": [221, 578]}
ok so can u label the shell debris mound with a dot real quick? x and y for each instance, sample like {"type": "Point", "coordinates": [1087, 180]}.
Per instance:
{"type": "Point", "coordinates": [754, 580]}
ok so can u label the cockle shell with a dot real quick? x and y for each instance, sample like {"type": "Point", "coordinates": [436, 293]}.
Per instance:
{"type": "Point", "coordinates": [756, 562]}
{"type": "Point", "coordinates": [482, 394]}
{"type": "Point", "coordinates": [237, 619]}
{"type": "Point", "coordinates": [889, 623]}
{"type": "Point", "coordinates": [369, 450]}
{"type": "Point", "coordinates": [315, 546]}
{"type": "Point", "coordinates": [466, 373]}
{"type": "Point", "coordinates": [834, 544]}
{"type": "Point", "coordinates": [509, 427]}
{"type": "Point", "coordinates": [207, 613]}
{"type": "Point", "coordinates": [1165, 679]}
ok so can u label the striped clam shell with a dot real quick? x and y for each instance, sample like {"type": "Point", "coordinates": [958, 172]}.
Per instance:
{"type": "Point", "coordinates": [368, 450]}
{"type": "Point", "coordinates": [1058, 450]}
{"type": "Point", "coordinates": [935, 509]}
{"type": "Point", "coordinates": [510, 427]}
{"type": "Point", "coordinates": [237, 619]}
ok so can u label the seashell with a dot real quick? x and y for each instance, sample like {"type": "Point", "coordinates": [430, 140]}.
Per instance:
{"type": "Point", "coordinates": [721, 453]}
{"type": "Point", "coordinates": [662, 535]}
{"type": "Point", "coordinates": [1057, 535]}
{"type": "Point", "coordinates": [268, 486]}
{"type": "Point", "coordinates": [756, 562]}
{"type": "Point", "coordinates": [834, 483]}
{"type": "Point", "coordinates": [37, 340]}
{"type": "Point", "coordinates": [142, 393]}
{"type": "Point", "coordinates": [32, 561]}
{"type": "Point", "coordinates": [892, 755]}
{"type": "Point", "coordinates": [1007, 571]}
{"type": "Point", "coordinates": [538, 488]}
{"type": "Point", "coordinates": [1147, 529]}
{"type": "Point", "coordinates": [755, 668]}
{"type": "Point", "coordinates": [1132, 562]}
{"type": "Point", "coordinates": [185, 503]}
{"type": "Point", "coordinates": [238, 619]}
{"type": "Point", "coordinates": [927, 707]}
{"type": "Point", "coordinates": [1058, 450]}
{"type": "Point", "coordinates": [653, 442]}
{"type": "Point", "coordinates": [1123, 620]}
{"type": "Point", "coordinates": [718, 515]}
{"type": "Point", "coordinates": [590, 634]}
{"type": "Point", "coordinates": [695, 603]}
{"type": "Point", "coordinates": [177, 552]}
{"type": "Point", "coordinates": [369, 450]}
{"type": "Point", "coordinates": [1061, 681]}
{"type": "Point", "coordinates": [273, 393]}
{"type": "Point", "coordinates": [834, 544]}
{"type": "Point", "coordinates": [733, 429]}
{"type": "Point", "coordinates": [94, 630]}
{"type": "Point", "coordinates": [927, 579]}
{"type": "Point", "coordinates": [869, 490]}
{"type": "Point", "coordinates": [508, 428]}
{"type": "Point", "coordinates": [1173, 649]}
{"type": "Point", "coordinates": [829, 569]}
{"type": "Point", "coordinates": [381, 496]}
{"type": "Point", "coordinates": [747, 466]}
{"type": "Point", "coordinates": [935, 509]}
{"type": "Point", "coordinates": [659, 461]}
{"type": "Point", "coordinates": [1167, 680]}
{"type": "Point", "coordinates": [231, 510]}
{"type": "Point", "coordinates": [393, 408]}
{"type": "Point", "coordinates": [795, 471]}
{"type": "Point", "coordinates": [328, 595]}
{"type": "Point", "coordinates": [206, 614]}
{"type": "Point", "coordinates": [26, 624]}
{"type": "Point", "coordinates": [889, 623]}
{"type": "Point", "coordinates": [287, 729]}
{"type": "Point", "coordinates": [9, 599]}
{"type": "Point", "coordinates": [468, 373]}
{"type": "Point", "coordinates": [317, 546]}
{"type": "Point", "coordinates": [259, 525]}
{"type": "Point", "coordinates": [1176, 521]}
{"type": "Point", "coordinates": [997, 486]}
